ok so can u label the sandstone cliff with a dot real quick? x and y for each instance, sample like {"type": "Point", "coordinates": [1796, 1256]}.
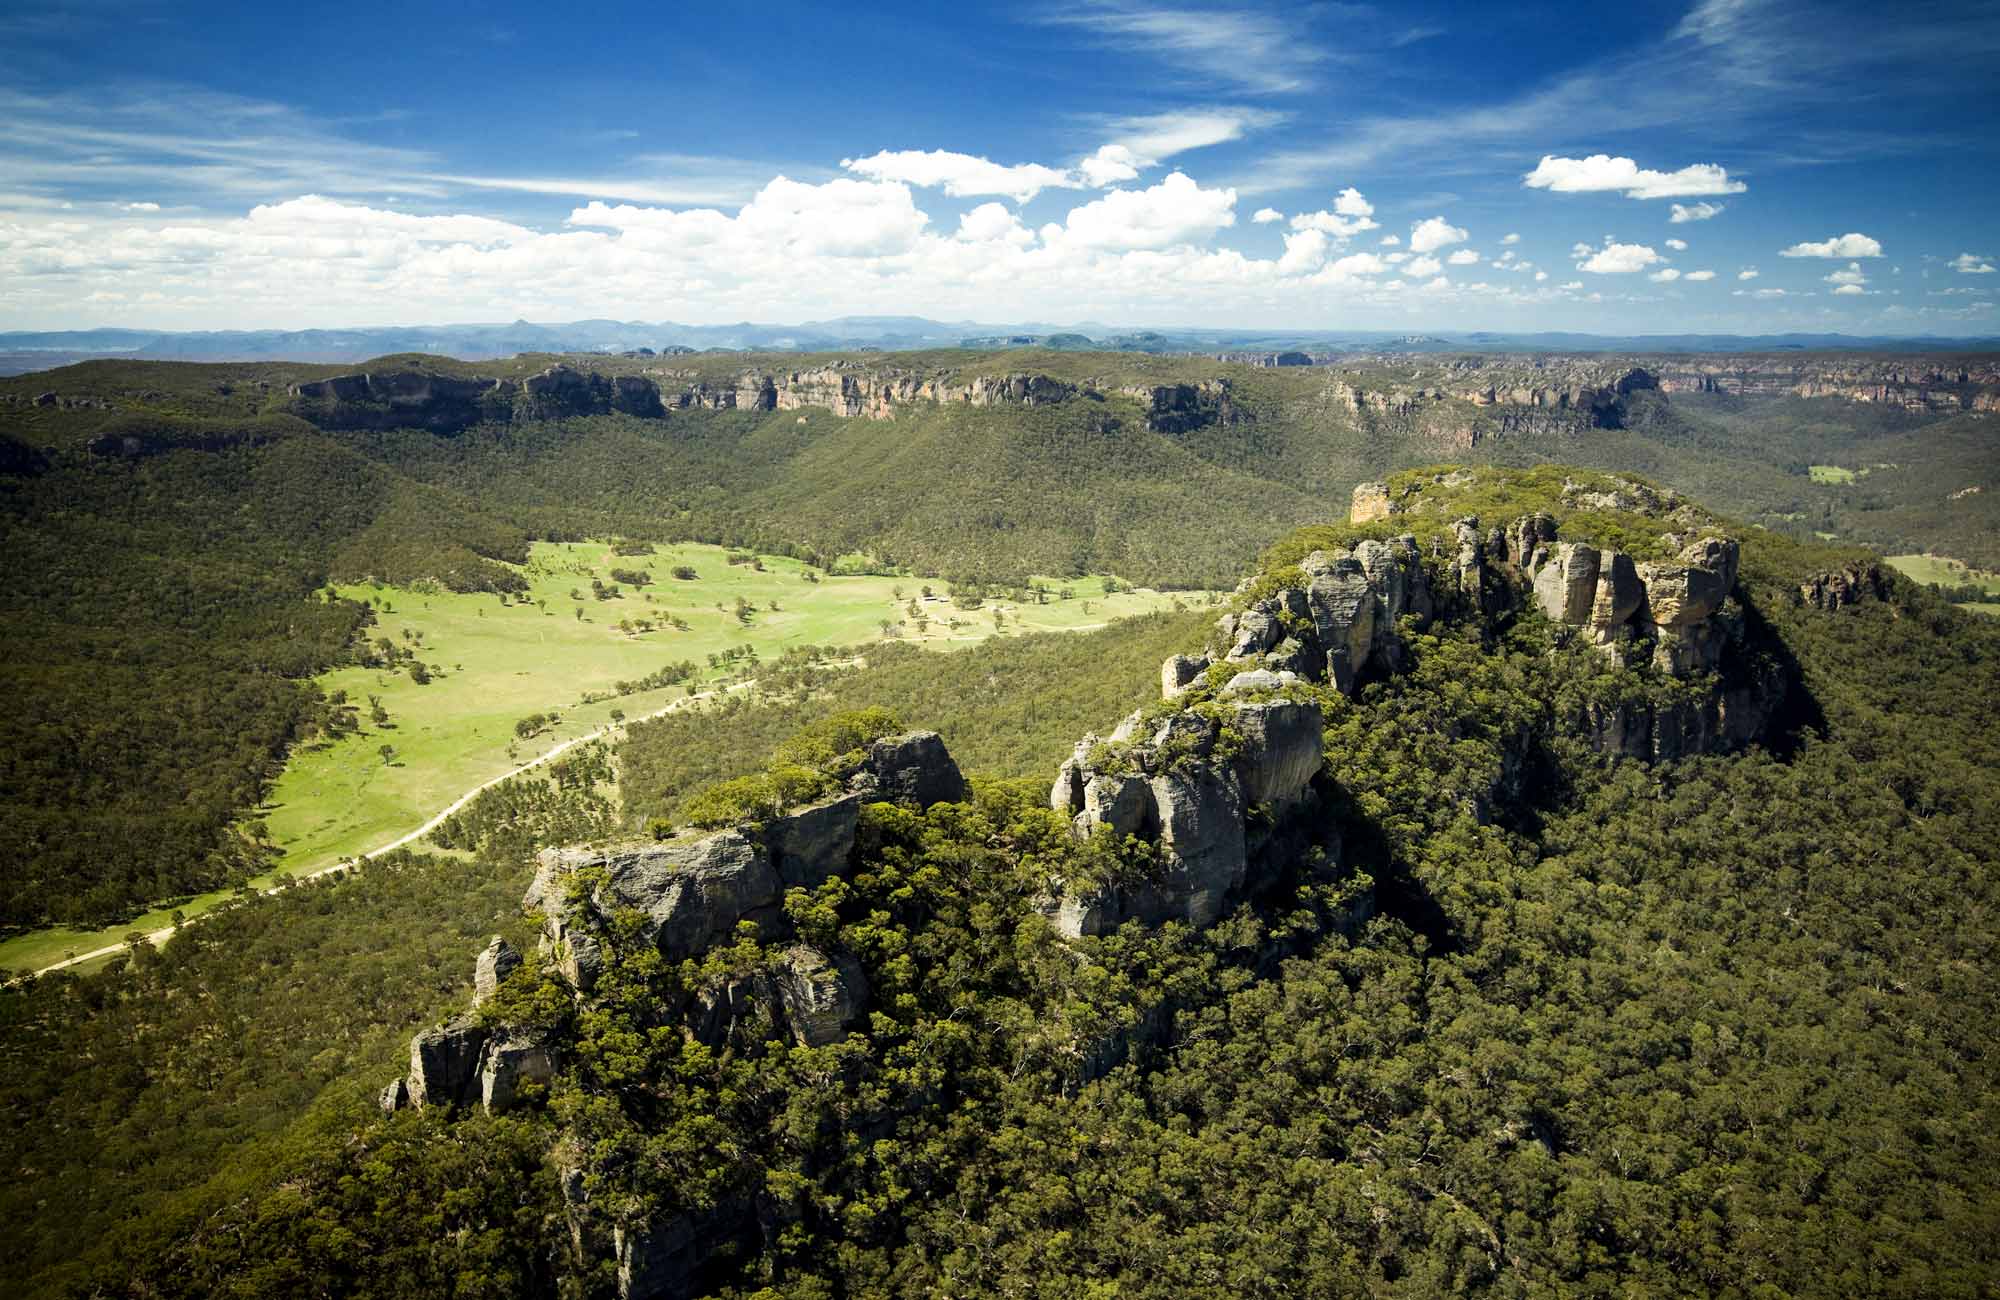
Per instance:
{"type": "Point", "coordinates": [411, 398]}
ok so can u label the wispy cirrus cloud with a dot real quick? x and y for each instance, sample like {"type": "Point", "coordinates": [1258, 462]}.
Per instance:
{"type": "Point", "coordinates": [1721, 78]}
{"type": "Point", "coordinates": [1262, 53]}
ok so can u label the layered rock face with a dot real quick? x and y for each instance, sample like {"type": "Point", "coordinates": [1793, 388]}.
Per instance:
{"type": "Point", "coordinates": [690, 895]}
{"type": "Point", "coordinates": [1850, 585]}
{"type": "Point", "coordinates": [1918, 385]}
{"type": "Point", "coordinates": [1543, 399]}
{"type": "Point", "coordinates": [394, 399]}
{"type": "Point", "coordinates": [400, 399]}
{"type": "Point", "coordinates": [1671, 606]}
{"type": "Point", "coordinates": [1187, 786]}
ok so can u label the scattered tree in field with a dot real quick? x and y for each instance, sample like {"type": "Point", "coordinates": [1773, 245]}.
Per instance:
{"type": "Point", "coordinates": [388, 753]}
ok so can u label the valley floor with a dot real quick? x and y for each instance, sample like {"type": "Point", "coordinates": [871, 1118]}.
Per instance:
{"type": "Point", "coordinates": [548, 651]}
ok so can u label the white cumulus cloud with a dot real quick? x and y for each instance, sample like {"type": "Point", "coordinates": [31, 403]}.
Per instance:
{"type": "Point", "coordinates": [1265, 216]}
{"type": "Point", "coordinates": [1510, 238]}
{"type": "Point", "coordinates": [1614, 258]}
{"type": "Point", "coordinates": [961, 175]}
{"type": "Point", "coordinates": [1349, 216]}
{"type": "Point", "coordinates": [1972, 264]}
{"type": "Point", "coordinates": [1433, 233]}
{"type": "Point", "coordinates": [1849, 290]}
{"type": "Point", "coordinates": [1666, 275]}
{"type": "Point", "coordinates": [991, 222]}
{"type": "Point", "coordinates": [1425, 265]}
{"type": "Point", "coordinates": [1848, 245]}
{"type": "Point", "coordinates": [1305, 250]}
{"type": "Point", "coordinates": [1602, 173]}
{"type": "Point", "coordinates": [1391, 241]}
{"type": "Point", "coordinates": [1748, 273]}
{"type": "Point", "coordinates": [1462, 257]}
{"type": "Point", "coordinates": [1678, 245]}
{"type": "Point", "coordinates": [1700, 275]}
{"type": "Point", "coordinates": [1851, 276]}
{"type": "Point", "coordinates": [1176, 211]}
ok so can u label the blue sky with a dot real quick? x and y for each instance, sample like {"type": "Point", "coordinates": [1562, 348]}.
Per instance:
{"type": "Point", "coordinates": [1743, 166]}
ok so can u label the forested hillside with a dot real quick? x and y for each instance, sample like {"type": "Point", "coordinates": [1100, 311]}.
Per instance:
{"type": "Point", "coordinates": [169, 525]}
{"type": "Point", "coordinates": [1716, 1026]}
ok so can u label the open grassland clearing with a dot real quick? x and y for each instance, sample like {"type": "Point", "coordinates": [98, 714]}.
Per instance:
{"type": "Point", "coordinates": [559, 653]}
{"type": "Point", "coordinates": [1946, 572]}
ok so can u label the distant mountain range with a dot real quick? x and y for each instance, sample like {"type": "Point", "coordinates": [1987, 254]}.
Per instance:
{"type": "Point", "coordinates": [23, 351]}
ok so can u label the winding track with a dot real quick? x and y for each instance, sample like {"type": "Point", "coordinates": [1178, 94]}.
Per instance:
{"type": "Point", "coordinates": [160, 936]}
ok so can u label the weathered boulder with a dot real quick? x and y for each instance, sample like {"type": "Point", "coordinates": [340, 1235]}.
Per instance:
{"type": "Point", "coordinates": [1566, 587]}
{"type": "Point", "coordinates": [512, 1058]}
{"type": "Point", "coordinates": [1279, 751]}
{"type": "Point", "coordinates": [1253, 680]}
{"type": "Point", "coordinates": [495, 964]}
{"type": "Point", "coordinates": [1680, 595]}
{"type": "Point", "coordinates": [1200, 811]}
{"type": "Point", "coordinates": [915, 768]}
{"type": "Point", "coordinates": [1618, 596]}
{"type": "Point", "coordinates": [1370, 501]}
{"type": "Point", "coordinates": [395, 1096]}
{"type": "Point", "coordinates": [811, 845]}
{"type": "Point", "coordinates": [1179, 672]}
{"type": "Point", "coordinates": [1721, 554]}
{"type": "Point", "coordinates": [1252, 632]}
{"type": "Point", "coordinates": [821, 995]}
{"type": "Point", "coordinates": [573, 950]}
{"type": "Point", "coordinates": [1849, 585]}
{"type": "Point", "coordinates": [444, 1063]}
{"type": "Point", "coordinates": [1343, 604]}
{"type": "Point", "coordinates": [1120, 801]}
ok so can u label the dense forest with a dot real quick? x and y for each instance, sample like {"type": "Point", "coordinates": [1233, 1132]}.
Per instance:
{"type": "Point", "coordinates": [1713, 1027]}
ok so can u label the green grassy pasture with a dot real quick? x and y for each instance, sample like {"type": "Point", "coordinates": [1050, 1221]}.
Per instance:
{"type": "Point", "coordinates": [493, 664]}
{"type": "Point", "coordinates": [1951, 573]}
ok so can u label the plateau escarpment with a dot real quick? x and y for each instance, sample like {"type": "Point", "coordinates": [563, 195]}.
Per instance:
{"type": "Point", "coordinates": [412, 398]}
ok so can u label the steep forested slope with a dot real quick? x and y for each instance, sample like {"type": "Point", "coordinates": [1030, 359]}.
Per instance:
{"type": "Point", "coordinates": [1716, 1026]}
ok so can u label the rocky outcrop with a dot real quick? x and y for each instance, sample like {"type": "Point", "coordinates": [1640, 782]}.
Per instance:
{"type": "Point", "coordinates": [1344, 623]}
{"type": "Point", "coordinates": [1654, 729]}
{"type": "Point", "coordinates": [662, 1258]}
{"type": "Point", "coordinates": [512, 1058]}
{"type": "Point", "coordinates": [1371, 502]}
{"type": "Point", "coordinates": [914, 769]}
{"type": "Point", "coordinates": [1181, 408]}
{"type": "Point", "coordinates": [495, 964]}
{"type": "Point", "coordinates": [1666, 608]}
{"type": "Point", "coordinates": [401, 399]}
{"type": "Point", "coordinates": [820, 995]}
{"type": "Point", "coordinates": [811, 846]}
{"type": "Point", "coordinates": [1848, 585]}
{"type": "Point", "coordinates": [1186, 787]}
{"type": "Point", "coordinates": [444, 1063]}
{"type": "Point", "coordinates": [689, 895]}
{"type": "Point", "coordinates": [692, 893]}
